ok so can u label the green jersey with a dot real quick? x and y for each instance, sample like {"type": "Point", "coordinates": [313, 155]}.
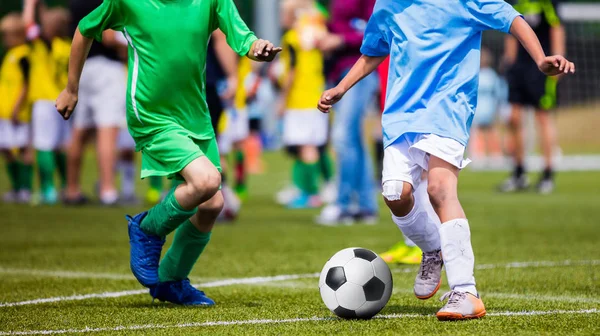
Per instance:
{"type": "Point", "coordinates": [167, 59]}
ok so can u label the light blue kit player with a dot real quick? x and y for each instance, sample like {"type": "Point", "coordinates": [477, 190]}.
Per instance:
{"type": "Point", "coordinates": [431, 98]}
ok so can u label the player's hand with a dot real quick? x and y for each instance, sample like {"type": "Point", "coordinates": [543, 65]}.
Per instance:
{"type": "Point", "coordinates": [65, 103]}
{"type": "Point", "coordinates": [330, 42]}
{"type": "Point", "coordinates": [329, 98]}
{"type": "Point", "coordinates": [281, 108]}
{"type": "Point", "coordinates": [265, 51]}
{"type": "Point", "coordinates": [556, 65]}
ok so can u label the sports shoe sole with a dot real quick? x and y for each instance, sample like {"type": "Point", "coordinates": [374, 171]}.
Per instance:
{"type": "Point", "coordinates": [445, 316]}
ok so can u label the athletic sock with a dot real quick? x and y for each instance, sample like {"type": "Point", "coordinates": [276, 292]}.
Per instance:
{"type": "Point", "coordinates": [46, 165]}
{"type": "Point", "coordinates": [188, 244]}
{"type": "Point", "coordinates": [61, 164]}
{"type": "Point", "coordinates": [156, 182]}
{"type": "Point", "coordinates": [127, 169]}
{"type": "Point", "coordinates": [408, 242]}
{"type": "Point", "coordinates": [325, 165]}
{"type": "Point", "coordinates": [240, 171]}
{"type": "Point", "coordinates": [311, 178]}
{"type": "Point", "coordinates": [26, 177]}
{"type": "Point", "coordinates": [297, 174]}
{"type": "Point", "coordinates": [166, 216]}
{"type": "Point", "coordinates": [13, 170]}
{"type": "Point", "coordinates": [419, 228]}
{"type": "Point", "coordinates": [458, 255]}
{"type": "Point", "coordinates": [519, 171]}
{"type": "Point", "coordinates": [548, 174]}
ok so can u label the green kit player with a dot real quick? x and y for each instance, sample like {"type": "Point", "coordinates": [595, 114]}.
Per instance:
{"type": "Point", "coordinates": [168, 117]}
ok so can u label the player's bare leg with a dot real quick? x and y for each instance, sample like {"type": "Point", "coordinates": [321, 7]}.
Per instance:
{"type": "Point", "coordinates": [413, 220]}
{"type": "Point", "coordinates": [74, 156]}
{"type": "Point", "coordinates": [518, 180]}
{"type": "Point", "coordinates": [107, 160]}
{"type": "Point", "coordinates": [547, 134]}
{"type": "Point", "coordinates": [463, 299]}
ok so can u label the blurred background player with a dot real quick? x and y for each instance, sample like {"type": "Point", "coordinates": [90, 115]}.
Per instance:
{"type": "Point", "coordinates": [303, 125]}
{"type": "Point", "coordinates": [485, 141]}
{"type": "Point", "coordinates": [529, 87]}
{"type": "Point", "coordinates": [15, 109]}
{"type": "Point", "coordinates": [356, 185]}
{"type": "Point", "coordinates": [101, 107]}
{"type": "Point", "coordinates": [50, 48]}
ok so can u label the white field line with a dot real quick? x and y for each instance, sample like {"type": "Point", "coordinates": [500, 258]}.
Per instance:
{"type": "Point", "coordinates": [66, 274]}
{"type": "Point", "coordinates": [258, 280]}
{"type": "Point", "coordinates": [275, 321]}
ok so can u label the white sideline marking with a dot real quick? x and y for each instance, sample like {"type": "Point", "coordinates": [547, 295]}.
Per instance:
{"type": "Point", "coordinates": [66, 274]}
{"type": "Point", "coordinates": [273, 321]}
{"type": "Point", "coordinates": [258, 280]}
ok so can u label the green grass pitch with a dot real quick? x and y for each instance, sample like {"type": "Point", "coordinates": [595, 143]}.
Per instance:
{"type": "Point", "coordinates": [538, 268]}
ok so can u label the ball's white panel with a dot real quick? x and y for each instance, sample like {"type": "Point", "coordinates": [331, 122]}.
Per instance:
{"type": "Point", "coordinates": [370, 309]}
{"type": "Point", "coordinates": [358, 271]}
{"type": "Point", "coordinates": [350, 296]}
{"type": "Point", "coordinates": [342, 257]}
{"type": "Point", "coordinates": [382, 270]}
{"type": "Point", "coordinates": [328, 296]}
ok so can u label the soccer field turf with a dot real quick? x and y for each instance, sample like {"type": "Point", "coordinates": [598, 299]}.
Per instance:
{"type": "Point", "coordinates": [66, 270]}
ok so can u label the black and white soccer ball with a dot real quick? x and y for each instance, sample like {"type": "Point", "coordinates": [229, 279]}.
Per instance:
{"type": "Point", "coordinates": [355, 283]}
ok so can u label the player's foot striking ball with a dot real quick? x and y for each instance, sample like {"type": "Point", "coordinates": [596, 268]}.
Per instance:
{"type": "Point", "coordinates": [168, 118]}
{"type": "Point", "coordinates": [355, 283]}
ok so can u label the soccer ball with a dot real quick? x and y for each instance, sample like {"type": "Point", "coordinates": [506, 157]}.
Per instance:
{"type": "Point", "coordinates": [355, 283]}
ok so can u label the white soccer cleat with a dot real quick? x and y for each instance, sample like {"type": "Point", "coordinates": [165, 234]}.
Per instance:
{"type": "Point", "coordinates": [461, 306]}
{"type": "Point", "coordinates": [329, 193]}
{"type": "Point", "coordinates": [287, 195]}
{"type": "Point", "coordinates": [429, 278]}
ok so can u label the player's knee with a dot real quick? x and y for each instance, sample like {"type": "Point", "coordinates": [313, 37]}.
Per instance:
{"type": "Point", "coordinates": [206, 184]}
{"type": "Point", "coordinates": [398, 197]}
{"type": "Point", "coordinates": [214, 206]}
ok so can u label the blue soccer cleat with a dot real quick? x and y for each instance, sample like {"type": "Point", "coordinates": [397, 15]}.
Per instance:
{"type": "Point", "coordinates": [144, 253]}
{"type": "Point", "coordinates": [180, 292]}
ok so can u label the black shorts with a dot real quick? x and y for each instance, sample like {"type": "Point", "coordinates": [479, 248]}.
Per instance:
{"type": "Point", "coordinates": [529, 87]}
{"type": "Point", "coordinates": [215, 106]}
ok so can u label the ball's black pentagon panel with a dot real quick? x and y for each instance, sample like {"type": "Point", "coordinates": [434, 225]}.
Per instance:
{"type": "Point", "coordinates": [365, 254]}
{"type": "Point", "coordinates": [335, 277]}
{"type": "Point", "coordinates": [344, 313]}
{"type": "Point", "coordinates": [374, 289]}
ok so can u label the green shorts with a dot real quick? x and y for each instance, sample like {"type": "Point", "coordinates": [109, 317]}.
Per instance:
{"type": "Point", "coordinates": [169, 152]}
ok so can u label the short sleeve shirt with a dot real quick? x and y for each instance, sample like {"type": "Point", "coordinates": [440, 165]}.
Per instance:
{"type": "Point", "coordinates": [434, 50]}
{"type": "Point", "coordinates": [167, 58]}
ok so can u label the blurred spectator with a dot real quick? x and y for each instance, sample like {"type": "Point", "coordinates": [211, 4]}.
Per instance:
{"type": "Point", "coordinates": [484, 136]}
{"type": "Point", "coordinates": [355, 169]}
{"type": "Point", "coordinates": [15, 110]}
{"type": "Point", "coordinates": [101, 107]}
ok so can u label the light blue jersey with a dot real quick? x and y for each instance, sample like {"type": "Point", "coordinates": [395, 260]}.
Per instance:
{"type": "Point", "coordinates": [489, 98]}
{"type": "Point", "coordinates": [434, 47]}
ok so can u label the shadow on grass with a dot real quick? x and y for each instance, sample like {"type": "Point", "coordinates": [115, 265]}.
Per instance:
{"type": "Point", "coordinates": [409, 309]}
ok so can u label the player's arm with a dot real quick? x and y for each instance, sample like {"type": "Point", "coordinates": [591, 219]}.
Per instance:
{"type": "Point", "coordinates": [67, 100]}
{"type": "Point", "coordinates": [288, 81]}
{"type": "Point", "coordinates": [549, 65]}
{"type": "Point", "coordinates": [116, 41]}
{"type": "Point", "coordinates": [511, 48]}
{"type": "Point", "coordinates": [558, 40]}
{"type": "Point", "coordinates": [30, 9]}
{"type": "Point", "coordinates": [22, 99]}
{"type": "Point", "coordinates": [361, 69]}
{"type": "Point", "coordinates": [228, 60]}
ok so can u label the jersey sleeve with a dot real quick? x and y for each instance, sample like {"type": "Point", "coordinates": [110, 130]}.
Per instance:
{"type": "Point", "coordinates": [491, 14]}
{"type": "Point", "coordinates": [375, 42]}
{"type": "Point", "coordinates": [239, 36]}
{"type": "Point", "coordinates": [106, 16]}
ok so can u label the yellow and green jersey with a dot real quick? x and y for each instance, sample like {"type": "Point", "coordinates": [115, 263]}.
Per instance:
{"type": "Point", "coordinates": [14, 75]}
{"type": "Point", "coordinates": [49, 64]}
{"type": "Point", "coordinates": [167, 58]}
{"type": "Point", "coordinates": [307, 64]}
{"type": "Point", "coordinates": [244, 69]}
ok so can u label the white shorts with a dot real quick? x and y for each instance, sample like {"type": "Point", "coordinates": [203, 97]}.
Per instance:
{"type": "Point", "coordinates": [125, 140]}
{"type": "Point", "coordinates": [101, 94]}
{"type": "Point", "coordinates": [50, 130]}
{"type": "Point", "coordinates": [236, 129]}
{"type": "Point", "coordinates": [407, 158]}
{"type": "Point", "coordinates": [14, 136]}
{"type": "Point", "coordinates": [305, 127]}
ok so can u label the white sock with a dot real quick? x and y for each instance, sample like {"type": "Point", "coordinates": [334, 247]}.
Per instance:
{"type": "Point", "coordinates": [422, 197]}
{"type": "Point", "coordinates": [458, 255]}
{"type": "Point", "coordinates": [408, 242]}
{"type": "Point", "coordinates": [127, 170]}
{"type": "Point", "coordinates": [419, 228]}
